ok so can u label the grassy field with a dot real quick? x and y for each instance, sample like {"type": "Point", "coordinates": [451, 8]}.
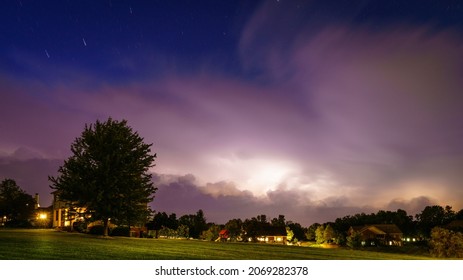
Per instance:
{"type": "Point", "coordinates": [54, 245]}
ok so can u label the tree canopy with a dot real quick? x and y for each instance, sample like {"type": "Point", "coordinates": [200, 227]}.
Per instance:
{"type": "Point", "coordinates": [108, 172]}
{"type": "Point", "coordinates": [15, 204]}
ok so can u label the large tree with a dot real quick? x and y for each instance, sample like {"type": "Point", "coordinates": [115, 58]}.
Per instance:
{"type": "Point", "coordinates": [108, 173]}
{"type": "Point", "coordinates": [15, 204]}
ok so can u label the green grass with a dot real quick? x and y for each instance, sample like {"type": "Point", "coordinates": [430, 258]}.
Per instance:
{"type": "Point", "coordinates": [54, 245]}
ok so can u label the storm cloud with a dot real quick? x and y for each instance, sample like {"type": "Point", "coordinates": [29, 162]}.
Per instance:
{"type": "Point", "coordinates": [323, 118]}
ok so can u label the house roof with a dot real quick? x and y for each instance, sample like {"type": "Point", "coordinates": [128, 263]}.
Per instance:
{"type": "Point", "coordinates": [223, 232]}
{"type": "Point", "coordinates": [378, 228]}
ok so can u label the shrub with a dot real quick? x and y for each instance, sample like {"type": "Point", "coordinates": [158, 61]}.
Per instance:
{"type": "Point", "coordinates": [446, 244]}
{"type": "Point", "coordinates": [120, 231]}
{"type": "Point", "coordinates": [97, 230]}
{"type": "Point", "coordinates": [354, 240]}
{"type": "Point", "coordinates": [18, 224]}
{"type": "Point", "coordinates": [80, 226]}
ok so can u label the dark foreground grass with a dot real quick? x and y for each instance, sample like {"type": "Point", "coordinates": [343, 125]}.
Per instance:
{"type": "Point", "coordinates": [54, 245]}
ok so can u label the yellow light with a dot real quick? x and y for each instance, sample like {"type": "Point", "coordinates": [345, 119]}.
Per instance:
{"type": "Point", "coordinates": [43, 216]}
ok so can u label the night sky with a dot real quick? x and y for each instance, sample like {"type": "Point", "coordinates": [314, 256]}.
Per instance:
{"type": "Point", "coordinates": [310, 109]}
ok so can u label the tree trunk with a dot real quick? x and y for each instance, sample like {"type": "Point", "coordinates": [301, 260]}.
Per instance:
{"type": "Point", "coordinates": [106, 226]}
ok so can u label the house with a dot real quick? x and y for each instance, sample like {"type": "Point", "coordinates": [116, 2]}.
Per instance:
{"type": "Point", "coordinates": [378, 234]}
{"type": "Point", "coordinates": [67, 215]}
{"type": "Point", "coordinates": [42, 215]}
{"type": "Point", "coordinates": [271, 234]}
{"type": "Point", "coordinates": [64, 213]}
{"type": "Point", "coordinates": [224, 234]}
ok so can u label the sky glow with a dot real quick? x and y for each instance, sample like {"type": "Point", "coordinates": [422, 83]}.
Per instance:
{"type": "Point", "coordinates": [309, 109]}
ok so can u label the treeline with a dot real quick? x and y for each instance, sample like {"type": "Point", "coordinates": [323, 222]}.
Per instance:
{"type": "Point", "coordinates": [196, 226]}
{"type": "Point", "coordinates": [16, 206]}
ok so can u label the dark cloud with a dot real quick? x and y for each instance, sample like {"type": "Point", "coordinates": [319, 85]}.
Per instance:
{"type": "Point", "coordinates": [184, 195]}
{"type": "Point", "coordinates": [412, 206]}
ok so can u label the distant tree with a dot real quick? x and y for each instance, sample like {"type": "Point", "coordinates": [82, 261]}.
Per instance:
{"type": "Point", "coordinates": [280, 221]}
{"type": "Point", "coordinates": [172, 221]}
{"type": "Point", "coordinates": [199, 222]}
{"type": "Point", "coordinates": [159, 221]}
{"type": "Point", "coordinates": [195, 223]}
{"type": "Point", "coordinates": [459, 215]}
{"type": "Point", "coordinates": [15, 204]}
{"type": "Point", "coordinates": [297, 230]}
{"type": "Point", "coordinates": [340, 238]}
{"type": "Point", "coordinates": [329, 234]}
{"type": "Point", "coordinates": [320, 234]}
{"type": "Point", "coordinates": [108, 173]}
{"type": "Point", "coordinates": [354, 240]}
{"type": "Point", "coordinates": [251, 228]}
{"type": "Point", "coordinates": [449, 214]}
{"type": "Point", "coordinates": [235, 228]}
{"type": "Point", "coordinates": [183, 231]}
{"type": "Point", "coordinates": [212, 233]}
{"type": "Point", "coordinates": [262, 219]}
{"type": "Point", "coordinates": [310, 234]}
{"type": "Point", "coordinates": [289, 234]}
{"type": "Point", "coordinates": [430, 217]}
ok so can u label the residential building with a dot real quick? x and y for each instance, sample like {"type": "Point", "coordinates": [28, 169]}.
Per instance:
{"type": "Point", "coordinates": [378, 234]}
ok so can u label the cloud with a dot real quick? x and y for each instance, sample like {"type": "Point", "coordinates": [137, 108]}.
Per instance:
{"type": "Point", "coordinates": [324, 120]}
{"type": "Point", "coordinates": [184, 195]}
{"type": "Point", "coordinates": [412, 206]}
{"type": "Point", "coordinates": [383, 102]}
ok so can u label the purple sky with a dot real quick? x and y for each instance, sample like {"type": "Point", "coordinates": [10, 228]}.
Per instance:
{"type": "Point", "coordinates": [277, 107]}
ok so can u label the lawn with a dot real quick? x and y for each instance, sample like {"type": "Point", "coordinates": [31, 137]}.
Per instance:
{"type": "Point", "coordinates": [54, 245]}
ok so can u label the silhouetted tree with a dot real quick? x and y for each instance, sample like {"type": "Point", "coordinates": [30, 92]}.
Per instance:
{"type": "Point", "coordinates": [297, 230]}
{"type": "Point", "coordinates": [329, 234]}
{"type": "Point", "coordinates": [15, 204]}
{"type": "Point", "coordinates": [354, 240]}
{"type": "Point", "coordinates": [108, 173]}
{"type": "Point", "coordinates": [279, 222]}
{"type": "Point", "coordinates": [310, 234]}
{"type": "Point", "coordinates": [459, 215]}
{"type": "Point", "coordinates": [195, 223]}
{"type": "Point", "coordinates": [430, 217]}
{"type": "Point", "coordinates": [235, 228]}
{"type": "Point", "coordinates": [159, 221]}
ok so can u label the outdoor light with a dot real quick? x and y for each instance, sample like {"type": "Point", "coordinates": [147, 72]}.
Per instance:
{"type": "Point", "coordinates": [43, 216]}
